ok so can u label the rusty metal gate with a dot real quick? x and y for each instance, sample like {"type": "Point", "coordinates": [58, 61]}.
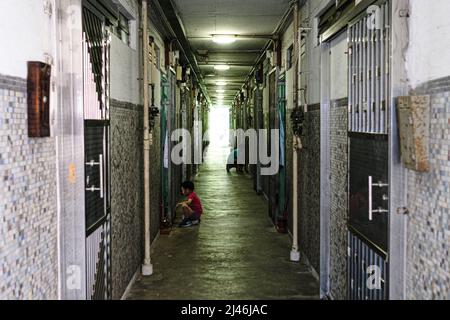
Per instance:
{"type": "Point", "coordinates": [369, 103]}
{"type": "Point", "coordinates": [97, 155]}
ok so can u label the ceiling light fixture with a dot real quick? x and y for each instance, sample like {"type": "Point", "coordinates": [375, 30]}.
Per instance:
{"type": "Point", "coordinates": [221, 67]}
{"type": "Point", "coordinates": [220, 91]}
{"type": "Point", "coordinates": [224, 38]}
{"type": "Point", "coordinates": [221, 83]}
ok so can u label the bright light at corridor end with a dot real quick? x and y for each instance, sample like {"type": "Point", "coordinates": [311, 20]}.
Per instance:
{"type": "Point", "coordinates": [221, 67]}
{"type": "Point", "coordinates": [224, 39]}
{"type": "Point", "coordinates": [220, 135]}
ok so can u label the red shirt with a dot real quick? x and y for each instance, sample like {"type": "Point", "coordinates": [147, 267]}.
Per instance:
{"type": "Point", "coordinates": [195, 205]}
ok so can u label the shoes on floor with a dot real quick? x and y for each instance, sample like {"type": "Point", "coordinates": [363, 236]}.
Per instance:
{"type": "Point", "coordinates": [185, 223]}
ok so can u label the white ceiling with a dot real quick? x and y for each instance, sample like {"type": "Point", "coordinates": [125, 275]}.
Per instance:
{"type": "Point", "coordinates": [203, 18]}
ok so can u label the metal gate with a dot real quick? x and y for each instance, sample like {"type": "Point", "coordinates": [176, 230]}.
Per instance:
{"type": "Point", "coordinates": [185, 103]}
{"type": "Point", "coordinates": [259, 124]}
{"type": "Point", "coordinates": [369, 66]}
{"type": "Point", "coordinates": [270, 183]}
{"type": "Point", "coordinates": [170, 121]}
{"type": "Point", "coordinates": [97, 155]}
{"type": "Point", "coordinates": [369, 103]}
{"type": "Point", "coordinates": [281, 219]}
{"type": "Point", "coordinates": [277, 182]}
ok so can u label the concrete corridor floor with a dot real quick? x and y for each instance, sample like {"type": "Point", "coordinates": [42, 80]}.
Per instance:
{"type": "Point", "coordinates": [235, 254]}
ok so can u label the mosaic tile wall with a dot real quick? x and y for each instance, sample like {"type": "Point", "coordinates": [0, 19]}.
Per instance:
{"type": "Point", "coordinates": [28, 212]}
{"type": "Point", "coordinates": [309, 185]}
{"type": "Point", "coordinates": [428, 266]}
{"type": "Point", "coordinates": [339, 199]}
{"type": "Point", "coordinates": [309, 195]}
{"type": "Point", "coordinates": [128, 194]}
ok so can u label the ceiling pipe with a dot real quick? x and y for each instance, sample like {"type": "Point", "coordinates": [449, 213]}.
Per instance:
{"type": "Point", "coordinates": [281, 25]}
{"type": "Point", "coordinates": [147, 267]}
{"type": "Point", "coordinates": [175, 28]}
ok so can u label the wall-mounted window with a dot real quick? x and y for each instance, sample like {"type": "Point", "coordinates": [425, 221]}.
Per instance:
{"type": "Point", "coordinates": [290, 57]}
{"type": "Point", "coordinates": [122, 30]}
{"type": "Point", "coordinates": [154, 54]}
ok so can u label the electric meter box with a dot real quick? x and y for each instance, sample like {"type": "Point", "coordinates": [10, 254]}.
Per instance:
{"type": "Point", "coordinates": [414, 128]}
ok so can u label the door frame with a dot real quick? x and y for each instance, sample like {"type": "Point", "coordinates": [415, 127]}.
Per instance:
{"type": "Point", "coordinates": [397, 173]}
{"type": "Point", "coordinates": [100, 232]}
{"type": "Point", "coordinates": [70, 153]}
{"type": "Point", "coordinates": [399, 31]}
{"type": "Point", "coordinates": [325, 168]}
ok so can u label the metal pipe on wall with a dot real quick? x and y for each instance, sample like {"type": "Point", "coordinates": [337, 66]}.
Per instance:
{"type": "Point", "coordinates": [147, 267]}
{"type": "Point", "coordinates": [295, 254]}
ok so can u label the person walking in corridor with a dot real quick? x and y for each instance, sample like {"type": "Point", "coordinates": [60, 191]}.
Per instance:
{"type": "Point", "coordinates": [192, 206]}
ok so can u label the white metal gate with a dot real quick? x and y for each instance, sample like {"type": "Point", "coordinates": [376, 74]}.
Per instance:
{"type": "Point", "coordinates": [97, 190]}
{"type": "Point", "coordinates": [369, 69]}
{"type": "Point", "coordinates": [369, 108]}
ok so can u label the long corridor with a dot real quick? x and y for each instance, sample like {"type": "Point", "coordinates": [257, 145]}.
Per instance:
{"type": "Point", "coordinates": [235, 254]}
{"type": "Point", "coordinates": [340, 111]}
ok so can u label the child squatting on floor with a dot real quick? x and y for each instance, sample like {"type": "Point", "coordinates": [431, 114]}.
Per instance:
{"type": "Point", "coordinates": [191, 206]}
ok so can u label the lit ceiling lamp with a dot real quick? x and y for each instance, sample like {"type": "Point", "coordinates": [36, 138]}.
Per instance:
{"type": "Point", "coordinates": [221, 83]}
{"type": "Point", "coordinates": [221, 67]}
{"type": "Point", "coordinates": [224, 38]}
{"type": "Point", "coordinates": [220, 91]}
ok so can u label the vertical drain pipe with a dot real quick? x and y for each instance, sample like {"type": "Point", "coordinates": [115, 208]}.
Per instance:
{"type": "Point", "coordinates": [297, 145]}
{"type": "Point", "coordinates": [147, 267]}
